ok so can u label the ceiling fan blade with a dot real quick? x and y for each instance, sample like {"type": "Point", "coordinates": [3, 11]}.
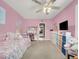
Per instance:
{"type": "Point", "coordinates": [36, 1]}
{"type": "Point", "coordinates": [51, 1]}
{"type": "Point", "coordinates": [38, 10]}
{"type": "Point", "coordinates": [54, 7]}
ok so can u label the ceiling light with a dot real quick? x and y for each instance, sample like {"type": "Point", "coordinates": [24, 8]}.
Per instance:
{"type": "Point", "coordinates": [47, 10]}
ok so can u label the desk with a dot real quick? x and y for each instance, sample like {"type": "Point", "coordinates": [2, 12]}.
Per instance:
{"type": "Point", "coordinates": [72, 55]}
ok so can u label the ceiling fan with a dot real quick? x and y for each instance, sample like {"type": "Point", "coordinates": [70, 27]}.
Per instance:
{"type": "Point", "coordinates": [46, 6]}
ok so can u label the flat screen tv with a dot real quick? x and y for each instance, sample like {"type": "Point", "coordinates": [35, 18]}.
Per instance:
{"type": "Point", "coordinates": [63, 25]}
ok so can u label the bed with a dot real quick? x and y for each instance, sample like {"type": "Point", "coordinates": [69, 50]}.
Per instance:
{"type": "Point", "coordinates": [14, 46]}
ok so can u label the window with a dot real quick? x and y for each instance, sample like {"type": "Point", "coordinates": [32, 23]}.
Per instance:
{"type": "Point", "coordinates": [2, 15]}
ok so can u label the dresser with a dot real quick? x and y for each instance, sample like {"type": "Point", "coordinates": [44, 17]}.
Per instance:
{"type": "Point", "coordinates": [60, 39]}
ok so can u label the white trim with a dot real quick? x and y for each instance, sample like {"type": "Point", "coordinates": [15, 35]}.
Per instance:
{"type": "Point", "coordinates": [76, 21]}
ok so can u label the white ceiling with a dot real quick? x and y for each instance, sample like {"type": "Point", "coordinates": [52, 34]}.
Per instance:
{"type": "Point", "coordinates": [26, 8]}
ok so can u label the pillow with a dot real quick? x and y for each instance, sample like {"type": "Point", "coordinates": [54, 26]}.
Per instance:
{"type": "Point", "coordinates": [13, 36]}
{"type": "Point", "coordinates": [24, 35]}
{"type": "Point", "coordinates": [75, 47]}
{"type": "Point", "coordinates": [18, 36]}
{"type": "Point", "coordinates": [10, 36]}
{"type": "Point", "coordinates": [2, 37]}
{"type": "Point", "coordinates": [73, 40]}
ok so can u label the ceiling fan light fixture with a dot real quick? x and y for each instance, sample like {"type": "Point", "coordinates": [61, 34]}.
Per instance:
{"type": "Point", "coordinates": [47, 10]}
{"type": "Point", "coordinates": [44, 10]}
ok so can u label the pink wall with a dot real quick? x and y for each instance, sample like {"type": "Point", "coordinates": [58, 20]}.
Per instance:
{"type": "Point", "coordinates": [67, 14]}
{"type": "Point", "coordinates": [12, 17]}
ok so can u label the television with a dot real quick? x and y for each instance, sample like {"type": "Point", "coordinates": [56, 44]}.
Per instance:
{"type": "Point", "coordinates": [63, 25]}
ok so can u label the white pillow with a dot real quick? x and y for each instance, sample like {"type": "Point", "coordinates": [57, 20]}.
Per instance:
{"type": "Point", "coordinates": [75, 47]}
{"type": "Point", "coordinates": [18, 36]}
{"type": "Point", "coordinates": [10, 36]}
{"type": "Point", "coordinates": [2, 37]}
{"type": "Point", "coordinates": [73, 40]}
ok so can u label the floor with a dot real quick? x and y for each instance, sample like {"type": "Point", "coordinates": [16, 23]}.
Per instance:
{"type": "Point", "coordinates": [42, 50]}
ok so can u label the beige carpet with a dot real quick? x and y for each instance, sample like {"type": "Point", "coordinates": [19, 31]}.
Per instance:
{"type": "Point", "coordinates": [42, 50]}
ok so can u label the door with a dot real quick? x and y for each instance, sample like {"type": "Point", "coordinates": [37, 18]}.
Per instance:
{"type": "Point", "coordinates": [42, 30]}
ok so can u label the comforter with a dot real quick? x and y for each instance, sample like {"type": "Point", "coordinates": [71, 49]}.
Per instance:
{"type": "Point", "coordinates": [14, 49]}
